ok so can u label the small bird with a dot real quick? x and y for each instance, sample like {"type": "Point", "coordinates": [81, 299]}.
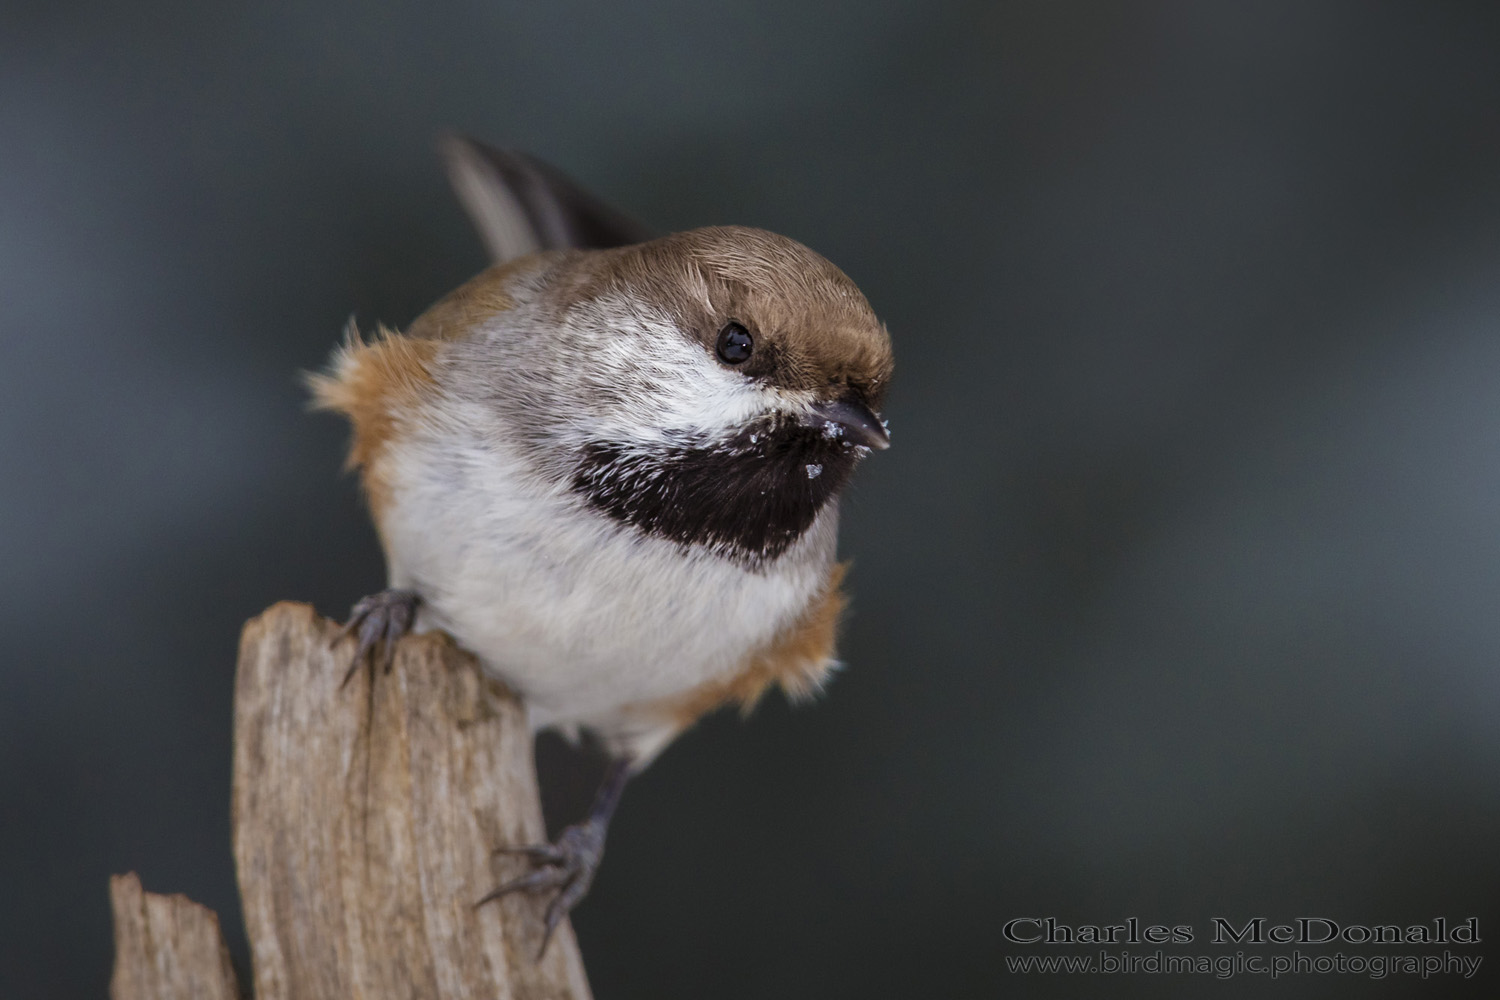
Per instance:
{"type": "Point", "coordinates": [610, 467]}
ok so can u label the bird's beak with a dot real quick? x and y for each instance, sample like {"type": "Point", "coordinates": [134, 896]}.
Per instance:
{"type": "Point", "coordinates": [854, 422]}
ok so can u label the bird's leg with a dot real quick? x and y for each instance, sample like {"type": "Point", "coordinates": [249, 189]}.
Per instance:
{"type": "Point", "coordinates": [383, 617]}
{"type": "Point", "coordinates": [568, 865]}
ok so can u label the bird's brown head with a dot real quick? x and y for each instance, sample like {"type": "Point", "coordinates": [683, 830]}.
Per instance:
{"type": "Point", "coordinates": [767, 307]}
{"type": "Point", "coordinates": [733, 378]}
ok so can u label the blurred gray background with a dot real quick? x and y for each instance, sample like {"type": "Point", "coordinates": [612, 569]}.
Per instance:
{"type": "Point", "coordinates": [1177, 597]}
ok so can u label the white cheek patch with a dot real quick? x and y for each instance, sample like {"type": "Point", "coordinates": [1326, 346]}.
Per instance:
{"type": "Point", "coordinates": [662, 384]}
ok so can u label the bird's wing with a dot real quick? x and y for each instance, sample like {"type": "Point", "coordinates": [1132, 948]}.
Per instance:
{"type": "Point", "coordinates": [521, 205]}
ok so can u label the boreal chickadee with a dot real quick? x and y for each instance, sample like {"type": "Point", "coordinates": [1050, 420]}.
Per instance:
{"type": "Point", "coordinates": [610, 466]}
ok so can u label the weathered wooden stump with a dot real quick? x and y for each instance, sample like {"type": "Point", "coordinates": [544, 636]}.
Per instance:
{"type": "Point", "coordinates": [365, 820]}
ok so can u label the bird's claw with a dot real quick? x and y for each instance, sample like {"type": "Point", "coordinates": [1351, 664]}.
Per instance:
{"type": "Point", "coordinates": [383, 617]}
{"type": "Point", "coordinates": [568, 865]}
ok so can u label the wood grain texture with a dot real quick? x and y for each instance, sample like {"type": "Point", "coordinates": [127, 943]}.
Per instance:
{"type": "Point", "coordinates": [365, 820]}
{"type": "Point", "coordinates": [166, 947]}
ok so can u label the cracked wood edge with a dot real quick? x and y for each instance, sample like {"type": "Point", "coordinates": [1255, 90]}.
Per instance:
{"type": "Point", "coordinates": [166, 947]}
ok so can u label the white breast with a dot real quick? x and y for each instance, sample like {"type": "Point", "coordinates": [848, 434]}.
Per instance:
{"type": "Point", "coordinates": [578, 613]}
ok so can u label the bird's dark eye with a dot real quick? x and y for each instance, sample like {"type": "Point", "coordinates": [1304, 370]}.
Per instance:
{"type": "Point", "coordinates": [735, 344]}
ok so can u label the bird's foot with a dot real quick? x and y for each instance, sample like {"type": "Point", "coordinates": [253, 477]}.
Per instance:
{"type": "Point", "coordinates": [383, 617]}
{"type": "Point", "coordinates": [568, 865]}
